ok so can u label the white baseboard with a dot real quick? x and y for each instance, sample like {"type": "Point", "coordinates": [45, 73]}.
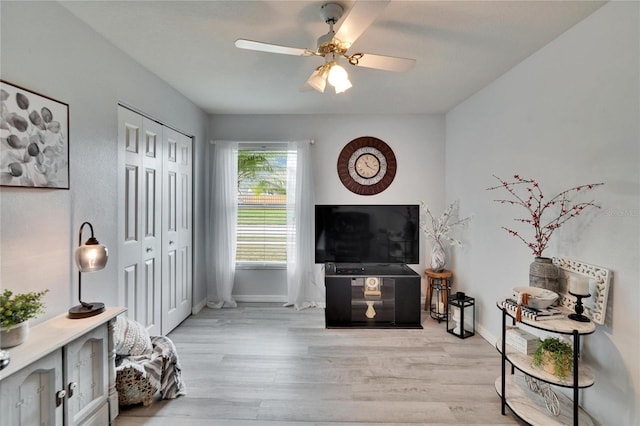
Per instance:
{"type": "Point", "coordinates": [267, 298]}
{"type": "Point", "coordinates": [251, 298]}
{"type": "Point", "coordinates": [487, 335]}
{"type": "Point", "coordinates": [264, 298]}
{"type": "Point", "coordinates": [198, 307]}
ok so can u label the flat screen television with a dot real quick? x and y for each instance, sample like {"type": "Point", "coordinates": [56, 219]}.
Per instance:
{"type": "Point", "coordinates": [367, 234]}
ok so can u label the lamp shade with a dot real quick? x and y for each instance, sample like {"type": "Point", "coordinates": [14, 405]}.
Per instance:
{"type": "Point", "coordinates": [342, 86]}
{"type": "Point", "coordinates": [337, 75]}
{"type": "Point", "coordinates": [339, 78]}
{"type": "Point", "coordinates": [318, 79]}
{"type": "Point", "coordinates": [92, 256]}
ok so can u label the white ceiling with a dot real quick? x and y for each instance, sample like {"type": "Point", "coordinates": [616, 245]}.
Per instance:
{"type": "Point", "coordinates": [460, 47]}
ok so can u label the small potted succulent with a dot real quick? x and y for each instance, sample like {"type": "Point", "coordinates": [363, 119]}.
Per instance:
{"type": "Point", "coordinates": [15, 312]}
{"type": "Point", "coordinates": [555, 356]}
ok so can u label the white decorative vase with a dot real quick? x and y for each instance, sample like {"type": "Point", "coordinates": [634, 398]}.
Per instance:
{"type": "Point", "coordinates": [14, 337]}
{"type": "Point", "coordinates": [438, 257]}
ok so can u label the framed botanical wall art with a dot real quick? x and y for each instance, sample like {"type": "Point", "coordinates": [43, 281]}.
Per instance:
{"type": "Point", "coordinates": [34, 139]}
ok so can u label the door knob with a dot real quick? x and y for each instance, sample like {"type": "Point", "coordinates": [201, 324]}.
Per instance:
{"type": "Point", "coordinates": [72, 387]}
{"type": "Point", "coordinates": [60, 396]}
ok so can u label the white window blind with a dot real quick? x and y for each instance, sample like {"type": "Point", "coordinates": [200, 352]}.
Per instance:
{"type": "Point", "coordinates": [262, 206]}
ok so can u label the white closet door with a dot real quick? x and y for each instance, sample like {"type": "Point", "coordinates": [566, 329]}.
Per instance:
{"type": "Point", "coordinates": [140, 226]}
{"type": "Point", "coordinates": [177, 229]}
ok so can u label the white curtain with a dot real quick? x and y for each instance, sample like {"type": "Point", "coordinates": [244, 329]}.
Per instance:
{"type": "Point", "coordinates": [222, 211]}
{"type": "Point", "coordinates": [302, 282]}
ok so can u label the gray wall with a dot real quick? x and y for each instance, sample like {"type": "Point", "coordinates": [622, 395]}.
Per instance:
{"type": "Point", "coordinates": [566, 116]}
{"type": "Point", "coordinates": [46, 49]}
{"type": "Point", "coordinates": [417, 142]}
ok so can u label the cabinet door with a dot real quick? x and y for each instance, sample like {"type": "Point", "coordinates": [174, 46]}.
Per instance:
{"type": "Point", "coordinates": [28, 397]}
{"type": "Point", "coordinates": [177, 230]}
{"type": "Point", "coordinates": [87, 377]}
{"type": "Point", "coordinates": [338, 299]}
{"type": "Point", "coordinates": [408, 308]}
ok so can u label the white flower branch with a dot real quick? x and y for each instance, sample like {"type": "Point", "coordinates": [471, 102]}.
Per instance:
{"type": "Point", "coordinates": [439, 229]}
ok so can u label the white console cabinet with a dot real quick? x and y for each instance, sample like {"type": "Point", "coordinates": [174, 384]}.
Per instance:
{"type": "Point", "coordinates": [64, 374]}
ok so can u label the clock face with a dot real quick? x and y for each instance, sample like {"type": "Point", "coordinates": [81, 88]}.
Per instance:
{"type": "Point", "coordinates": [366, 166]}
{"type": "Point", "coordinates": [372, 283]}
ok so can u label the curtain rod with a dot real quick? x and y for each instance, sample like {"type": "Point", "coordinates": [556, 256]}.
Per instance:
{"type": "Point", "coordinates": [213, 142]}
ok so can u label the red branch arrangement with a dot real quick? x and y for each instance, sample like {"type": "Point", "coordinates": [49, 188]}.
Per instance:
{"type": "Point", "coordinates": [536, 204]}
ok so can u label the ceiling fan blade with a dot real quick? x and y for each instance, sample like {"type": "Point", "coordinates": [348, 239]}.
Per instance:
{"type": "Point", "coordinates": [387, 63]}
{"type": "Point", "coordinates": [272, 48]}
{"type": "Point", "coordinates": [361, 15]}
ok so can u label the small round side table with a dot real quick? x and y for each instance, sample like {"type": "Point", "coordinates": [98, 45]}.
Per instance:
{"type": "Point", "coordinates": [438, 284]}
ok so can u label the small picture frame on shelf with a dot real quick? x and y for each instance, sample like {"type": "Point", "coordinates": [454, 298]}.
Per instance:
{"type": "Point", "coordinates": [34, 139]}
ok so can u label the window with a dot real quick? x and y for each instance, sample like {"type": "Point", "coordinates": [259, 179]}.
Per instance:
{"type": "Point", "coordinates": [262, 206]}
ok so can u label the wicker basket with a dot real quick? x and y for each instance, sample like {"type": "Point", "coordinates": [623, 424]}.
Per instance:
{"type": "Point", "coordinates": [548, 364]}
{"type": "Point", "coordinates": [133, 388]}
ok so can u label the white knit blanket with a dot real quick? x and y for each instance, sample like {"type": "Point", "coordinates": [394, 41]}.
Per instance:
{"type": "Point", "coordinates": [130, 337]}
{"type": "Point", "coordinates": [161, 367]}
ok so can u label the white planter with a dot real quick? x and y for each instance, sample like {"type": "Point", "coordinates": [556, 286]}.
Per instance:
{"type": "Point", "coordinates": [14, 337]}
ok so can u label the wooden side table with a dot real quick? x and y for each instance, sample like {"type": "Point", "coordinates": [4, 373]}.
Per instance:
{"type": "Point", "coordinates": [438, 283]}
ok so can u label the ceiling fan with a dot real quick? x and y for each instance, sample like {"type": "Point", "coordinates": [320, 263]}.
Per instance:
{"type": "Point", "coordinates": [334, 45]}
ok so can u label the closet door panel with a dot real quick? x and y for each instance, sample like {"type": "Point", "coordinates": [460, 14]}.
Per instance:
{"type": "Point", "coordinates": [129, 207]}
{"type": "Point", "coordinates": [140, 226]}
{"type": "Point", "coordinates": [176, 296]}
{"type": "Point", "coordinates": [155, 222]}
{"type": "Point", "coordinates": [148, 310]}
{"type": "Point", "coordinates": [129, 285]}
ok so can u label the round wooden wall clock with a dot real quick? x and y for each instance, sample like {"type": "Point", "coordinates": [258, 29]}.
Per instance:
{"type": "Point", "coordinates": [366, 166]}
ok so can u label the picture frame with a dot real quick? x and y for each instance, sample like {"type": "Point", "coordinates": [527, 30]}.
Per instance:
{"type": "Point", "coordinates": [34, 139]}
{"type": "Point", "coordinates": [599, 278]}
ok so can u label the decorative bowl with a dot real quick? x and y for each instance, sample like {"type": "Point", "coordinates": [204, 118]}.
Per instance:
{"type": "Point", "coordinates": [539, 298]}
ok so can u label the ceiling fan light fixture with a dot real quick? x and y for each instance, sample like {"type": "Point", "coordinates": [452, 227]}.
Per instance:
{"type": "Point", "coordinates": [318, 80]}
{"type": "Point", "coordinates": [335, 44]}
{"type": "Point", "coordinates": [338, 78]}
{"type": "Point", "coordinates": [343, 86]}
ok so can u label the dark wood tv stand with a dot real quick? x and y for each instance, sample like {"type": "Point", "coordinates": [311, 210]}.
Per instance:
{"type": "Point", "coordinates": [372, 295]}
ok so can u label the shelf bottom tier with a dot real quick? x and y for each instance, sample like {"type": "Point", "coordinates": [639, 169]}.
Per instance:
{"type": "Point", "coordinates": [531, 407]}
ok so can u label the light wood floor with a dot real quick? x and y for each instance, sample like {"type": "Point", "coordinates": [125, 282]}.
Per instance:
{"type": "Point", "coordinates": [263, 364]}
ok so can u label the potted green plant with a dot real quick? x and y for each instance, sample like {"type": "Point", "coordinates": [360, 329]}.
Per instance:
{"type": "Point", "coordinates": [554, 356]}
{"type": "Point", "coordinates": [15, 312]}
